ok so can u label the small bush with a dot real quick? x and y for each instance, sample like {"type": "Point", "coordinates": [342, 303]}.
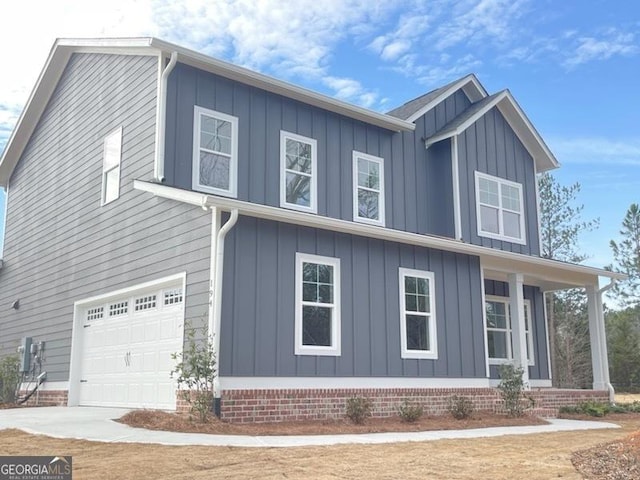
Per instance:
{"type": "Point", "coordinates": [410, 412]}
{"type": "Point", "coordinates": [593, 409]}
{"type": "Point", "coordinates": [194, 371]}
{"type": "Point", "coordinates": [512, 390]}
{"type": "Point", "coordinates": [358, 409]}
{"type": "Point", "coordinates": [460, 407]}
{"type": "Point", "coordinates": [9, 378]}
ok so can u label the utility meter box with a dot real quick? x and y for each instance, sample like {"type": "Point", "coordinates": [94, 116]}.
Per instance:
{"type": "Point", "coordinates": [25, 354]}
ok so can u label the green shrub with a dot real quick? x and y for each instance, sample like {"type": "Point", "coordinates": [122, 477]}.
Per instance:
{"type": "Point", "coordinates": [358, 409]}
{"type": "Point", "coordinates": [460, 407]}
{"type": "Point", "coordinates": [410, 411]}
{"type": "Point", "coordinates": [194, 372]}
{"type": "Point", "coordinates": [511, 389]}
{"type": "Point", "coordinates": [593, 409]}
{"type": "Point", "coordinates": [9, 378]}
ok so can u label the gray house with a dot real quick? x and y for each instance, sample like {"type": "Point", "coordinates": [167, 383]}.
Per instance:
{"type": "Point", "coordinates": [329, 249]}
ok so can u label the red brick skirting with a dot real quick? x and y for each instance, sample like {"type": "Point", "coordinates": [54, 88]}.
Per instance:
{"type": "Point", "coordinates": [243, 406]}
{"type": "Point", "coordinates": [46, 398]}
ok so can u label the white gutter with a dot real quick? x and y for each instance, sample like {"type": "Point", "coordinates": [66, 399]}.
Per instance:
{"type": "Point", "coordinates": [161, 117]}
{"type": "Point", "coordinates": [217, 301]}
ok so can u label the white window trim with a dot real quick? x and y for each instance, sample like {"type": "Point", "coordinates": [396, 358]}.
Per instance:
{"type": "Point", "coordinates": [117, 132]}
{"type": "Point", "coordinates": [335, 348]}
{"type": "Point", "coordinates": [356, 210]}
{"type": "Point", "coordinates": [313, 207]}
{"type": "Point", "coordinates": [501, 235]}
{"type": "Point", "coordinates": [509, 330]}
{"type": "Point", "coordinates": [233, 166]}
{"type": "Point", "coordinates": [431, 354]}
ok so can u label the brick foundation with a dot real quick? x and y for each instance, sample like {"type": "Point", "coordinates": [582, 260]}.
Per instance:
{"type": "Point", "coordinates": [46, 398]}
{"type": "Point", "coordinates": [244, 406]}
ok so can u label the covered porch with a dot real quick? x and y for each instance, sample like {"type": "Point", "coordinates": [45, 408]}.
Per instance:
{"type": "Point", "coordinates": [516, 318]}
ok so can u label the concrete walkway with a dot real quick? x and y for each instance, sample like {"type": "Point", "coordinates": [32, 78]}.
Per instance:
{"type": "Point", "coordinates": [93, 423]}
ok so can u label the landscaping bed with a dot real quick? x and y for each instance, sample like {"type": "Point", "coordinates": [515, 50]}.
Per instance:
{"type": "Point", "coordinates": [178, 422]}
{"type": "Point", "coordinates": [619, 460]}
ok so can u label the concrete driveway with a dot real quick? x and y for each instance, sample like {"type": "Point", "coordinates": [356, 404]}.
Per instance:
{"type": "Point", "coordinates": [97, 424]}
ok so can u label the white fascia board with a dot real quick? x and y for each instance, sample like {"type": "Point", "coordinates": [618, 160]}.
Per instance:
{"type": "Point", "coordinates": [249, 77]}
{"type": "Point", "coordinates": [469, 84]}
{"type": "Point", "coordinates": [492, 259]}
{"type": "Point", "coordinates": [543, 157]}
{"type": "Point", "coordinates": [451, 132]}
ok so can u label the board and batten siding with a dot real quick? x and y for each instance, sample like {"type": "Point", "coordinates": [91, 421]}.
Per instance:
{"type": "Point", "coordinates": [418, 185]}
{"type": "Point", "coordinates": [257, 331]}
{"type": "Point", "coordinates": [539, 371]}
{"type": "Point", "coordinates": [61, 245]}
{"type": "Point", "coordinates": [491, 146]}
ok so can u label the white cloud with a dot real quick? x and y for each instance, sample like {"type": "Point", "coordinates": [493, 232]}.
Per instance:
{"type": "Point", "coordinates": [349, 89]}
{"type": "Point", "coordinates": [612, 42]}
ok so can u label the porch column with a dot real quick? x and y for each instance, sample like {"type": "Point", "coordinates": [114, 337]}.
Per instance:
{"type": "Point", "coordinates": [598, 339]}
{"type": "Point", "coordinates": [518, 328]}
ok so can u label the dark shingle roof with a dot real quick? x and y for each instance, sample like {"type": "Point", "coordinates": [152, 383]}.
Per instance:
{"type": "Point", "coordinates": [412, 106]}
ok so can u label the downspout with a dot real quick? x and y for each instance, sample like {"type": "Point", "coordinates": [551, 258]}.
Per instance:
{"type": "Point", "coordinates": [216, 311]}
{"type": "Point", "coordinates": [603, 336]}
{"type": "Point", "coordinates": [161, 119]}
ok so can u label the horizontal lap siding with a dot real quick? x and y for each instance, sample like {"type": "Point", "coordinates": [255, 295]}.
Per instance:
{"type": "Point", "coordinates": [257, 336]}
{"type": "Point", "coordinates": [61, 245]}
{"type": "Point", "coordinates": [491, 146]}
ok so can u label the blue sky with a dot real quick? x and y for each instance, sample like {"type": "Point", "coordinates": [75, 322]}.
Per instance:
{"type": "Point", "coordinates": [572, 65]}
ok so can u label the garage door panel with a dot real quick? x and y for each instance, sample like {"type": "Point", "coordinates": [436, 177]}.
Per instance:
{"type": "Point", "coordinates": [126, 359]}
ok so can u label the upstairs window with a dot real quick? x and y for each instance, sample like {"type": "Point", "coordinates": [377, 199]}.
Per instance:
{"type": "Point", "coordinates": [298, 177]}
{"type": "Point", "coordinates": [215, 152]}
{"type": "Point", "coordinates": [499, 331]}
{"type": "Point", "coordinates": [418, 334]}
{"type": "Point", "coordinates": [368, 189]}
{"type": "Point", "coordinates": [317, 327]}
{"type": "Point", "coordinates": [499, 209]}
{"type": "Point", "coordinates": [111, 166]}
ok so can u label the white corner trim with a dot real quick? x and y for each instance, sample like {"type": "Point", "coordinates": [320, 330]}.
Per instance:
{"type": "Point", "coordinates": [305, 383]}
{"type": "Point", "coordinates": [455, 174]}
{"type": "Point", "coordinates": [546, 333]}
{"type": "Point", "coordinates": [484, 322]}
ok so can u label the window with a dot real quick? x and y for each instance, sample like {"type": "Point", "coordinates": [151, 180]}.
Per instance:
{"type": "Point", "coordinates": [95, 313]}
{"type": "Point", "coordinates": [499, 332]}
{"type": "Point", "coordinates": [317, 327]}
{"type": "Point", "coordinates": [368, 189]}
{"type": "Point", "coordinates": [215, 152]}
{"type": "Point", "coordinates": [111, 166]}
{"type": "Point", "coordinates": [145, 303]}
{"type": "Point", "coordinates": [418, 335]}
{"type": "Point", "coordinates": [120, 308]}
{"type": "Point", "coordinates": [173, 296]}
{"type": "Point", "coordinates": [499, 208]}
{"type": "Point", "coordinates": [298, 172]}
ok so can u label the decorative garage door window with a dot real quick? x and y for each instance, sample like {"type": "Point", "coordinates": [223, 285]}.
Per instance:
{"type": "Point", "coordinates": [140, 303]}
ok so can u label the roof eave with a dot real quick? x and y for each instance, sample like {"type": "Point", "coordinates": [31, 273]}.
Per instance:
{"type": "Point", "coordinates": [259, 80]}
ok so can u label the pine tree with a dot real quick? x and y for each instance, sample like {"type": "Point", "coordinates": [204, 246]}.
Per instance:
{"type": "Point", "coordinates": [626, 255]}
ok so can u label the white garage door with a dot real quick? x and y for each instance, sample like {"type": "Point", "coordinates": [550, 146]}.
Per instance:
{"type": "Point", "coordinates": [127, 344]}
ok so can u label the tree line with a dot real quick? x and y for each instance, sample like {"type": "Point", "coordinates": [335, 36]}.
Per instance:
{"type": "Point", "coordinates": [561, 224]}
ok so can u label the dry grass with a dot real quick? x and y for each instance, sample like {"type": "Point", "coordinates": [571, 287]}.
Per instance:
{"type": "Point", "coordinates": [541, 456]}
{"type": "Point", "coordinates": [627, 397]}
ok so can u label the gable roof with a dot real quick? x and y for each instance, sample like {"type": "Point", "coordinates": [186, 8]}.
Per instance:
{"type": "Point", "coordinates": [414, 109]}
{"type": "Point", "coordinates": [515, 117]}
{"type": "Point", "coordinates": [63, 49]}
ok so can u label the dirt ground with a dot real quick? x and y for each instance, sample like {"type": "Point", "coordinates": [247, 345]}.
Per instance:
{"type": "Point", "coordinates": [541, 456]}
{"type": "Point", "coordinates": [627, 397]}
{"type": "Point", "coordinates": [176, 422]}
